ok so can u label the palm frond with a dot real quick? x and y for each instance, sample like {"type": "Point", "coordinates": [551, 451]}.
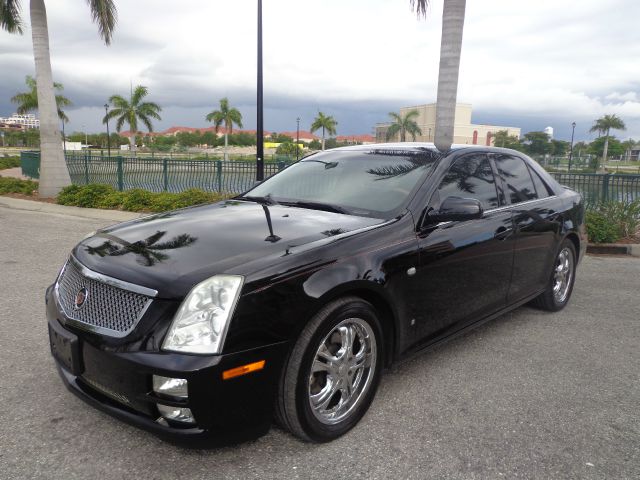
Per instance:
{"type": "Point", "coordinates": [105, 15]}
{"type": "Point", "coordinates": [420, 7]}
{"type": "Point", "coordinates": [138, 94]}
{"type": "Point", "coordinates": [10, 19]}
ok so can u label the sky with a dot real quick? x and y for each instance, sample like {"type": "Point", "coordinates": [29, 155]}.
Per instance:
{"type": "Point", "coordinates": [528, 64]}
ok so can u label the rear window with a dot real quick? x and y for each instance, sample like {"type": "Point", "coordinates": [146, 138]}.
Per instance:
{"type": "Point", "coordinates": [541, 187]}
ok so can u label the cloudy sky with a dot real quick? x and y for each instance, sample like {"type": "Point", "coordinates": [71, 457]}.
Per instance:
{"type": "Point", "coordinates": [524, 63]}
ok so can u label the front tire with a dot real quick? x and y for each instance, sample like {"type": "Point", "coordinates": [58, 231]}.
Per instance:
{"type": "Point", "coordinates": [333, 371]}
{"type": "Point", "coordinates": [560, 286]}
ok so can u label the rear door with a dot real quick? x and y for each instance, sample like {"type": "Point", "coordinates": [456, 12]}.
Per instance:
{"type": "Point", "coordinates": [536, 217]}
{"type": "Point", "coordinates": [465, 266]}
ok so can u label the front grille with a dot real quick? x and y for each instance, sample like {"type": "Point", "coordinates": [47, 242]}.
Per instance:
{"type": "Point", "coordinates": [106, 309]}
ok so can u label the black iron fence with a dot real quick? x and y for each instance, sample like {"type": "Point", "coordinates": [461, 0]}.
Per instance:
{"type": "Point", "coordinates": [597, 188]}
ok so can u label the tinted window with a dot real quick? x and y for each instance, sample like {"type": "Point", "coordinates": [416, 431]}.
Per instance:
{"type": "Point", "coordinates": [471, 177]}
{"type": "Point", "coordinates": [515, 174]}
{"type": "Point", "coordinates": [541, 188]}
{"type": "Point", "coordinates": [368, 183]}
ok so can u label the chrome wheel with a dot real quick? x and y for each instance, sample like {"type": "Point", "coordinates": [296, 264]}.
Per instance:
{"type": "Point", "coordinates": [342, 370]}
{"type": "Point", "coordinates": [562, 275]}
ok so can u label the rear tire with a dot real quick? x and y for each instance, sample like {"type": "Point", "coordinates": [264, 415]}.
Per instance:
{"type": "Point", "coordinates": [331, 376]}
{"type": "Point", "coordinates": [560, 285]}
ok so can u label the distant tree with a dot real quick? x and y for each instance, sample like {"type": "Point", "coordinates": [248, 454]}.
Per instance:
{"type": "Point", "coordinates": [288, 148]}
{"type": "Point", "coordinates": [280, 138]}
{"type": "Point", "coordinates": [629, 145]}
{"type": "Point", "coordinates": [537, 143]}
{"type": "Point", "coordinates": [603, 126]}
{"type": "Point", "coordinates": [559, 148]}
{"type": "Point", "coordinates": [614, 146]}
{"type": "Point", "coordinates": [28, 101]}
{"type": "Point", "coordinates": [502, 139]}
{"type": "Point", "coordinates": [242, 139]}
{"type": "Point", "coordinates": [314, 145]}
{"type": "Point", "coordinates": [132, 110]}
{"type": "Point", "coordinates": [403, 125]}
{"type": "Point", "coordinates": [226, 116]}
{"type": "Point", "coordinates": [54, 174]}
{"type": "Point", "coordinates": [325, 123]}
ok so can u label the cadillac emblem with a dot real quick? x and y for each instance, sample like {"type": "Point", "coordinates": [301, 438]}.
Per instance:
{"type": "Point", "coordinates": [81, 298]}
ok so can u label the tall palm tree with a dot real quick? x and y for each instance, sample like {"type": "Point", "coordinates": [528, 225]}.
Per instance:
{"type": "Point", "coordinates": [228, 116]}
{"type": "Point", "coordinates": [603, 125]}
{"type": "Point", "coordinates": [53, 169]}
{"type": "Point", "coordinates": [404, 125]}
{"type": "Point", "coordinates": [450, 47]}
{"type": "Point", "coordinates": [28, 101]}
{"type": "Point", "coordinates": [328, 125]}
{"type": "Point", "coordinates": [132, 110]}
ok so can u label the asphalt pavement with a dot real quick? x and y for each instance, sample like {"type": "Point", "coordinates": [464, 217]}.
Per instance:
{"type": "Point", "coordinates": [529, 395]}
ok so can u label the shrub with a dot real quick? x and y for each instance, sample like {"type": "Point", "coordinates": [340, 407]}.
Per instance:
{"type": "Point", "coordinates": [600, 228]}
{"type": "Point", "coordinates": [9, 162]}
{"type": "Point", "coordinates": [88, 196]}
{"type": "Point", "coordinates": [67, 195]}
{"type": "Point", "coordinates": [112, 201]}
{"type": "Point", "coordinates": [15, 185]}
{"type": "Point", "coordinates": [626, 216]}
{"type": "Point", "coordinates": [137, 200]}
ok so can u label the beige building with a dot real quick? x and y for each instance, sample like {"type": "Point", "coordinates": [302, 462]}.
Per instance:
{"type": "Point", "coordinates": [464, 132]}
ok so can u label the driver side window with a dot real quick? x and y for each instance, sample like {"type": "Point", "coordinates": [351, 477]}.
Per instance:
{"type": "Point", "coordinates": [471, 177]}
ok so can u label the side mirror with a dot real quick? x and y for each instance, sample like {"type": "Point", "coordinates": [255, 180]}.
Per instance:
{"type": "Point", "coordinates": [456, 209]}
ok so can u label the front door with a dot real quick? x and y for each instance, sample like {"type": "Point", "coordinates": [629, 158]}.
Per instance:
{"type": "Point", "coordinates": [465, 266]}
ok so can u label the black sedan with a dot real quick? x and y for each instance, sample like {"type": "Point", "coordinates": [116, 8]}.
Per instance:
{"type": "Point", "coordinates": [288, 301]}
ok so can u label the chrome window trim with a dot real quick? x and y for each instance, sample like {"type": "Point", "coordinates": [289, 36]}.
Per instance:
{"type": "Point", "coordinates": [520, 203]}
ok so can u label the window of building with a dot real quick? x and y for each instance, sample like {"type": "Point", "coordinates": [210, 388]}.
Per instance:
{"type": "Point", "coordinates": [471, 177]}
{"type": "Point", "coordinates": [516, 177]}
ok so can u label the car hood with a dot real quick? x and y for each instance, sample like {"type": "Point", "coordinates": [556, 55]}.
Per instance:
{"type": "Point", "coordinates": [170, 252]}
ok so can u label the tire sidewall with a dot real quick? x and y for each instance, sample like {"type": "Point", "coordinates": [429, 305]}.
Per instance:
{"type": "Point", "coordinates": [572, 249]}
{"type": "Point", "coordinates": [314, 428]}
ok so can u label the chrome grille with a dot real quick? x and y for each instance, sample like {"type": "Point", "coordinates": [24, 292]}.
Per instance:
{"type": "Point", "coordinates": [107, 309]}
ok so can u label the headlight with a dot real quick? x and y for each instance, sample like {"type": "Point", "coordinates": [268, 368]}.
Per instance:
{"type": "Point", "coordinates": [201, 323]}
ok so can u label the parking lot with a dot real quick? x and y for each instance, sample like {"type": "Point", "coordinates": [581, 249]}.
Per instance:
{"type": "Point", "coordinates": [529, 395]}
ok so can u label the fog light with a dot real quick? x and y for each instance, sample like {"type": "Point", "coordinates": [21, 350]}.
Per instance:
{"type": "Point", "coordinates": [174, 388]}
{"type": "Point", "coordinates": [176, 414]}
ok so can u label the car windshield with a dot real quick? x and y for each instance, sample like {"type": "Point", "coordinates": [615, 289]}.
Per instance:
{"type": "Point", "coordinates": [366, 183]}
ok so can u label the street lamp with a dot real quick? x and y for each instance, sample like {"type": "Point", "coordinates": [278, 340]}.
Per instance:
{"type": "Point", "coordinates": [106, 120]}
{"type": "Point", "coordinates": [260, 126]}
{"type": "Point", "coordinates": [573, 131]}
{"type": "Point", "coordinates": [86, 142]}
{"type": "Point", "coordinates": [297, 138]}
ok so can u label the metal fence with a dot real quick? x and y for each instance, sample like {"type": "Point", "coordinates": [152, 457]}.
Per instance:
{"type": "Point", "coordinates": [170, 175]}
{"type": "Point", "coordinates": [597, 188]}
{"type": "Point", "coordinates": [156, 174]}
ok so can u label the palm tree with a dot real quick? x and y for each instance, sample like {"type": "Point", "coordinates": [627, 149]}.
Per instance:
{"type": "Point", "coordinates": [327, 124]}
{"type": "Point", "coordinates": [28, 101]}
{"type": "Point", "coordinates": [131, 110]}
{"type": "Point", "coordinates": [227, 116]}
{"type": "Point", "coordinates": [404, 125]}
{"type": "Point", "coordinates": [450, 47]}
{"type": "Point", "coordinates": [603, 125]}
{"type": "Point", "coordinates": [53, 169]}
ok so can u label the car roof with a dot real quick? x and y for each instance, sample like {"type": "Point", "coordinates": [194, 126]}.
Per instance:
{"type": "Point", "coordinates": [417, 146]}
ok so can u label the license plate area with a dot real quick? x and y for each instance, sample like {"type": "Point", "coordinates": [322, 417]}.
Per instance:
{"type": "Point", "coordinates": [65, 347]}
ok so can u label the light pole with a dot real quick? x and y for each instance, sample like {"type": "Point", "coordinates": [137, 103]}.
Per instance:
{"type": "Point", "coordinates": [106, 120]}
{"type": "Point", "coordinates": [260, 126]}
{"type": "Point", "coordinates": [573, 131]}
{"type": "Point", "coordinates": [64, 139]}
{"type": "Point", "coordinates": [86, 142]}
{"type": "Point", "coordinates": [297, 138]}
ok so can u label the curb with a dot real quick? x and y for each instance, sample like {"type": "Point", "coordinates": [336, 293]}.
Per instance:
{"type": "Point", "coordinates": [614, 249]}
{"type": "Point", "coordinates": [43, 207]}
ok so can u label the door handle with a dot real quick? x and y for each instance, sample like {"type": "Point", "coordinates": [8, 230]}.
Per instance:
{"type": "Point", "coordinates": [502, 233]}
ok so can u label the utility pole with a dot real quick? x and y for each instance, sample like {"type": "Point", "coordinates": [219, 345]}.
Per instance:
{"type": "Point", "coordinates": [106, 112]}
{"type": "Point", "coordinates": [297, 138]}
{"type": "Point", "coordinates": [573, 130]}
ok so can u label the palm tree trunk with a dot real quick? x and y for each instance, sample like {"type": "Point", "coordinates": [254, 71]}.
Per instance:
{"type": "Point", "coordinates": [53, 168]}
{"type": "Point", "coordinates": [450, 47]}
{"type": "Point", "coordinates": [132, 143]}
{"type": "Point", "coordinates": [322, 138]}
{"type": "Point", "coordinates": [226, 147]}
{"type": "Point", "coordinates": [604, 152]}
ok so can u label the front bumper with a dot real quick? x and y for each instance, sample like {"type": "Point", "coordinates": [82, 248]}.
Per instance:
{"type": "Point", "coordinates": [120, 384]}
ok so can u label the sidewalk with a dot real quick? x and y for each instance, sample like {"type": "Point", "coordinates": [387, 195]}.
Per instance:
{"type": "Point", "coordinates": [14, 173]}
{"type": "Point", "coordinates": [33, 206]}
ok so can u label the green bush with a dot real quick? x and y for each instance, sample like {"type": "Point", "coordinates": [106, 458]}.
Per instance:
{"type": "Point", "coordinates": [600, 228]}
{"type": "Point", "coordinates": [136, 200]}
{"type": "Point", "coordinates": [9, 162]}
{"type": "Point", "coordinates": [15, 185]}
{"type": "Point", "coordinates": [626, 216]}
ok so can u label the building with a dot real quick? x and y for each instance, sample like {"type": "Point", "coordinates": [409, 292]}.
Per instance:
{"type": "Point", "coordinates": [464, 131]}
{"type": "Point", "coordinates": [23, 122]}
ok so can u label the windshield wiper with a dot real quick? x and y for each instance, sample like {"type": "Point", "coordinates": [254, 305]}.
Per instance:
{"type": "Point", "coordinates": [327, 207]}
{"type": "Point", "coordinates": [266, 200]}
